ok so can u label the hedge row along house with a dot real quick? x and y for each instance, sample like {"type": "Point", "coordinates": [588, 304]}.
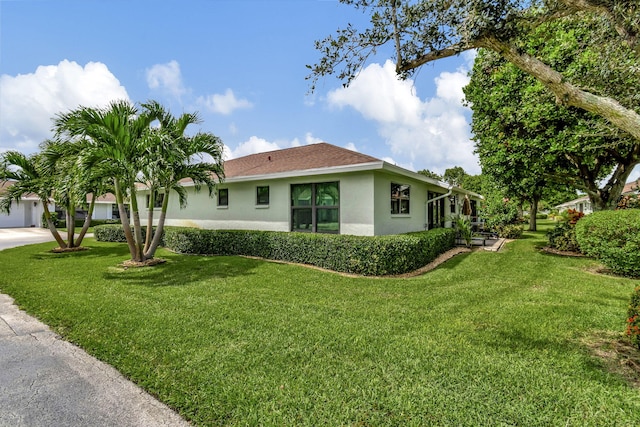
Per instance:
{"type": "Point", "coordinates": [319, 188]}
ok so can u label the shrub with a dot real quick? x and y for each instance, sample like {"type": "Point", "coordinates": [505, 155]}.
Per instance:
{"type": "Point", "coordinates": [631, 201]}
{"type": "Point", "coordinates": [563, 237]}
{"type": "Point", "coordinates": [367, 255]}
{"type": "Point", "coordinates": [115, 233]}
{"type": "Point", "coordinates": [509, 231]}
{"type": "Point", "coordinates": [633, 318]}
{"type": "Point", "coordinates": [498, 212]}
{"type": "Point", "coordinates": [541, 216]}
{"type": "Point", "coordinates": [613, 237]}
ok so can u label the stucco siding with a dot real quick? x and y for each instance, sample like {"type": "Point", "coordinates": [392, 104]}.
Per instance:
{"type": "Point", "coordinates": [102, 211]}
{"type": "Point", "coordinates": [26, 213]}
{"type": "Point", "coordinates": [242, 211]}
{"type": "Point", "coordinates": [387, 223]}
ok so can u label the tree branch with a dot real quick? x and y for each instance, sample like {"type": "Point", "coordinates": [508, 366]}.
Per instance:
{"type": "Point", "coordinates": [566, 93]}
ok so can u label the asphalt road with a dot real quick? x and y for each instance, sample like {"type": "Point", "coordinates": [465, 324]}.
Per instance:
{"type": "Point", "coordinates": [48, 382]}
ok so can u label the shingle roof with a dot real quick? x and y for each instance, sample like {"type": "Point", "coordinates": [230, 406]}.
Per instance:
{"type": "Point", "coordinates": [630, 187]}
{"type": "Point", "coordinates": [313, 156]}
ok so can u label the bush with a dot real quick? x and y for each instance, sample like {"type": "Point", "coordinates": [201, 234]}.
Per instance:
{"type": "Point", "coordinates": [633, 318]}
{"type": "Point", "coordinates": [631, 201]}
{"type": "Point", "coordinates": [375, 256]}
{"type": "Point", "coordinates": [509, 231]}
{"type": "Point", "coordinates": [563, 237]}
{"type": "Point", "coordinates": [541, 216]}
{"type": "Point", "coordinates": [115, 233]}
{"type": "Point", "coordinates": [613, 237]}
{"type": "Point", "coordinates": [498, 212]}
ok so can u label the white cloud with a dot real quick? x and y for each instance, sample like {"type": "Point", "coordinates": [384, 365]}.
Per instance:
{"type": "Point", "coordinates": [256, 144]}
{"type": "Point", "coordinates": [351, 146]}
{"type": "Point", "coordinates": [28, 102]}
{"type": "Point", "coordinates": [310, 139]}
{"type": "Point", "coordinates": [166, 77]}
{"type": "Point", "coordinates": [432, 133]}
{"type": "Point", "coordinates": [223, 104]}
{"type": "Point", "coordinates": [252, 146]}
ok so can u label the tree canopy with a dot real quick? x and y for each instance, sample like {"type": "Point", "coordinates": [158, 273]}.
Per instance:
{"type": "Point", "coordinates": [428, 30]}
{"type": "Point", "coordinates": [526, 142]}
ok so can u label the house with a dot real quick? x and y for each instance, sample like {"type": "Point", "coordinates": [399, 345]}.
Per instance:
{"type": "Point", "coordinates": [583, 204]}
{"type": "Point", "coordinates": [318, 188]}
{"type": "Point", "coordinates": [104, 208]}
{"type": "Point", "coordinates": [26, 213]}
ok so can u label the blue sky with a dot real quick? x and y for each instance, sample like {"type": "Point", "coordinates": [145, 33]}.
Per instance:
{"type": "Point", "coordinates": [239, 63]}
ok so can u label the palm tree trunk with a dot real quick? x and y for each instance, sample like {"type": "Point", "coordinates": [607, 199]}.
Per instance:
{"type": "Point", "coordinates": [151, 250]}
{"type": "Point", "coordinates": [137, 229]}
{"type": "Point", "coordinates": [51, 225]}
{"type": "Point", "coordinates": [149, 236]}
{"type": "Point", "coordinates": [124, 219]}
{"type": "Point", "coordinates": [87, 221]}
{"type": "Point", "coordinates": [71, 223]}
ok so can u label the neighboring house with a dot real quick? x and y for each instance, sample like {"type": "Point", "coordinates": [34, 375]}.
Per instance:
{"type": "Point", "coordinates": [583, 204]}
{"type": "Point", "coordinates": [104, 208]}
{"type": "Point", "coordinates": [318, 188]}
{"type": "Point", "coordinates": [26, 213]}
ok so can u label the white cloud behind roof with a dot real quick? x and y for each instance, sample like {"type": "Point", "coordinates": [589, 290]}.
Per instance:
{"type": "Point", "coordinates": [414, 128]}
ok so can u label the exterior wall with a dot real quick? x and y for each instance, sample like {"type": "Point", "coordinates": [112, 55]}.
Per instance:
{"type": "Point", "coordinates": [27, 213]}
{"type": "Point", "coordinates": [415, 220]}
{"type": "Point", "coordinates": [242, 212]}
{"type": "Point", "coordinates": [102, 211]}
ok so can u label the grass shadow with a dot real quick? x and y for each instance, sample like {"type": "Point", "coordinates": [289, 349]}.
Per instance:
{"type": "Point", "coordinates": [92, 251]}
{"type": "Point", "coordinates": [183, 270]}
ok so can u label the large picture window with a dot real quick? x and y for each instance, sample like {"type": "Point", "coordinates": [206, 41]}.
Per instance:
{"type": "Point", "coordinates": [315, 207]}
{"type": "Point", "coordinates": [400, 198]}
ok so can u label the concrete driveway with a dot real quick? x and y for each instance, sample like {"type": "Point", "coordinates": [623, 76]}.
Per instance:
{"type": "Point", "coordinates": [12, 237]}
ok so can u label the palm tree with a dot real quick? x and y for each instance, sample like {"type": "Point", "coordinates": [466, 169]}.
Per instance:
{"type": "Point", "coordinates": [30, 178]}
{"type": "Point", "coordinates": [172, 157]}
{"type": "Point", "coordinates": [110, 140]}
{"type": "Point", "coordinates": [123, 143]}
{"type": "Point", "coordinates": [73, 184]}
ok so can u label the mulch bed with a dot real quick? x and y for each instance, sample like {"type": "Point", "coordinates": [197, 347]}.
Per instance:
{"type": "Point", "coordinates": [60, 250]}
{"type": "Point", "coordinates": [147, 263]}
{"type": "Point", "coordinates": [553, 251]}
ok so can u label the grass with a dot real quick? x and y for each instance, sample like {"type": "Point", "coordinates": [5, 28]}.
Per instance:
{"type": "Point", "coordinates": [485, 339]}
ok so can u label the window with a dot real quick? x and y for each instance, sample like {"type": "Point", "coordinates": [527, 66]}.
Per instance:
{"type": "Point", "coordinates": [400, 199]}
{"type": "Point", "coordinates": [315, 207]}
{"type": "Point", "coordinates": [436, 210]}
{"type": "Point", "coordinates": [157, 200]}
{"type": "Point", "coordinates": [223, 197]}
{"type": "Point", "coordinates": [262, 195]}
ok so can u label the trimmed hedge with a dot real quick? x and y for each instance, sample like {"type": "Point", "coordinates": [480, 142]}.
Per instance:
{"type": "Point", "coordinates": [373, 256]}
{"type": "Point", "coordinates": [115, 233]}
{"type": "Point", "coordinates": [613, 237]}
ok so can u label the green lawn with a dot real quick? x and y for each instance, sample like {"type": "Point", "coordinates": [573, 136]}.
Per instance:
{"type": "Point", "coordinates": [486, 339]}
